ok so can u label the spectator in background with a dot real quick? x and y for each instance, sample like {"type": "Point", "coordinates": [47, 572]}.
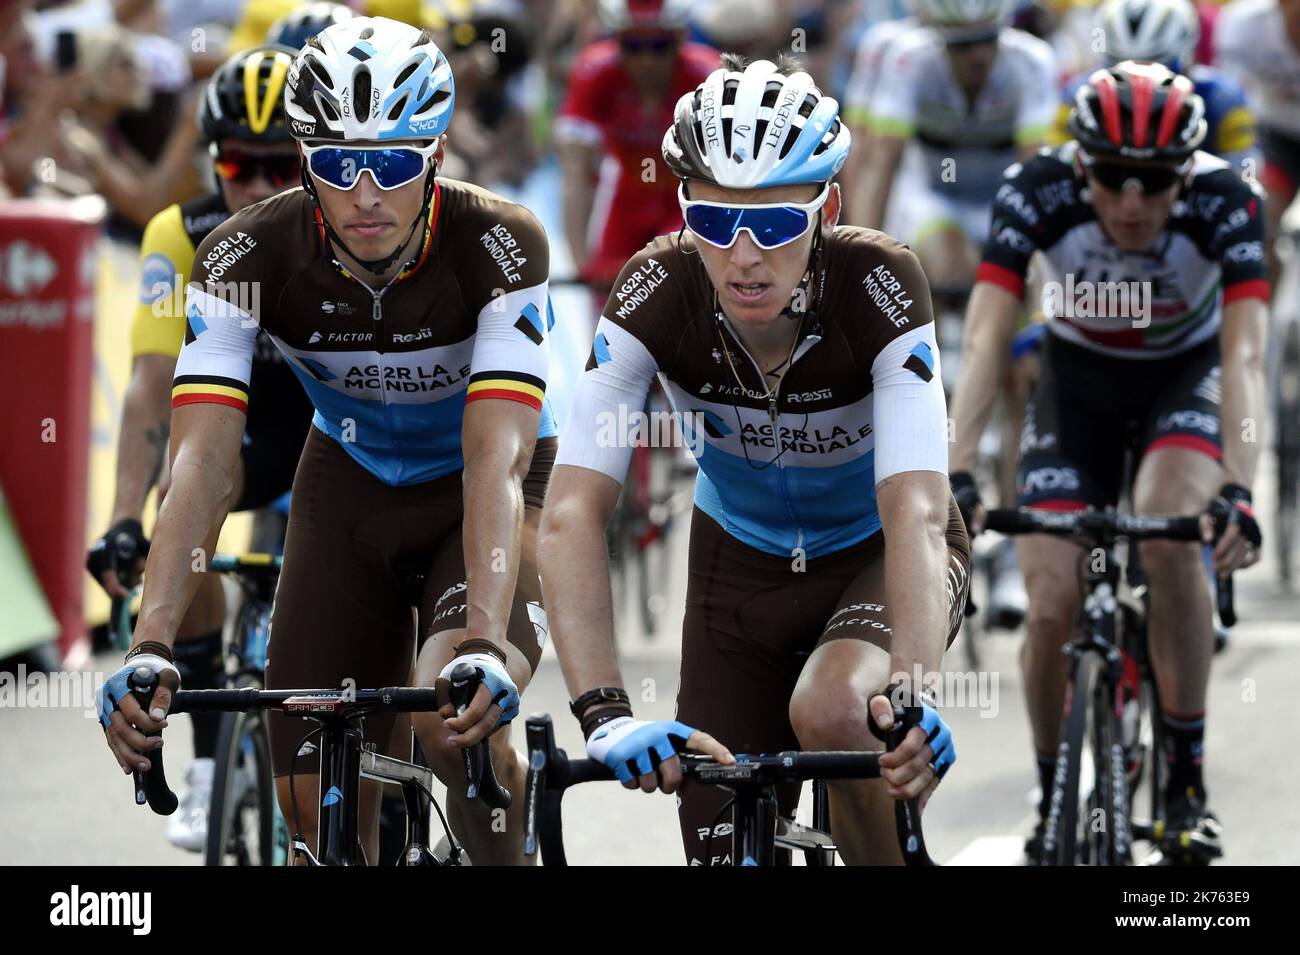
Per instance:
{"type": "Point", "coordinates": [95, 146]}
{"type": "Point", "coordinates": [30, 94]}
{"type": "Point", "coordinates": [490, 140]}
{"type": "Point", "coordinates": [619, 101]}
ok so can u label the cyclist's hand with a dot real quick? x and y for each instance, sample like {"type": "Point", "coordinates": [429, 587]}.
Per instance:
{"type": "Point", "coordinates": [122, 550]}
{"type": "Point", "coordinates": [1229, 524]}
{"type": "Point", "coordinates": [495, 702]}
{"type": "Point", "coordinates": [922, 759]}
{"type": "Point", "coordinates": [125, 722]}
{"type": "Point", "coordinates": [967, 495]}
{"type": "Point", "coordinates": [644, 754]}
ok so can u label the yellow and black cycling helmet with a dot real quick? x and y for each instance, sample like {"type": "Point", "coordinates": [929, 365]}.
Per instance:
{"type": "Point", "coordinates": [244, 100]}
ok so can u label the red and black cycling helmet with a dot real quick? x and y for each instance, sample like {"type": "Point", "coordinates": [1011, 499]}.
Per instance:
{"type": "Point", "coordinates": [1138, 110]}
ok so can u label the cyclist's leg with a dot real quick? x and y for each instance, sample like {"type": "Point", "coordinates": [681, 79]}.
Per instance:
{"type": "Point", "coordinates": [747, 633]}
{"type": "Point", "coordinates": [852, 663]}
{"type": "Point", "coordinates": [1178, 474]}
{"type": "Point", "coordinates": [1071, 458]}
{"type": "Point", "coordinates": [341, 614]}
{"type": "Point", "coordinates": [488, 836]}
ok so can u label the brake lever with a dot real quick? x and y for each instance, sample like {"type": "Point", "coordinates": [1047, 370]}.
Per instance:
{"type": "Point", "coordinates": [483, 783]}
{"type": "Point", "coordinates": [150, 785]}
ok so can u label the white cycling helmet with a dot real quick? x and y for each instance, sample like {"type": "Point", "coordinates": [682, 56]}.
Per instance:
{"type": "Point", "coordinates": [958, 14]}
{"type": "Point", "coordinates": [756, 129]}
{"type": "Point", "coordinates": [1164, 31]}
{"type": "Point", "coordinates": [656, 14]}
{"type": "Point", "coordinates": [370, 78]}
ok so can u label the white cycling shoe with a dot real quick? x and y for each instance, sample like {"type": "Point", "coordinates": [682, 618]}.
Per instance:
{"type": "Point", "coordinates": [1008, 602]}
{"type": "Point", "coordinates": [187, 827]}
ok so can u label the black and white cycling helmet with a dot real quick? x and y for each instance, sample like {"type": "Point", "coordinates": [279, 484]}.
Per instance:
{"type": "Point", "coordinates": [370, 79]}
{"type": "Point", "coordinates": [1163, 31]}
{"type": "Point", "coordinates": [298, 26]}
{"type": "Point", "coordinates": [757, 128]}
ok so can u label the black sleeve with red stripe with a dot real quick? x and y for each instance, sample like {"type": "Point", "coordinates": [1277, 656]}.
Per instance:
{"type": "Point", "coordinates": [1035, 204]}
{"type": "Point", "coordinates": [1237, 241]}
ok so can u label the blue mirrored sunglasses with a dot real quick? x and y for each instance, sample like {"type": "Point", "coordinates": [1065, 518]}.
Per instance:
{"type": "Point", "coordinates": [770, 225]}
{"type": "Point", "coordinates": [390, 167]}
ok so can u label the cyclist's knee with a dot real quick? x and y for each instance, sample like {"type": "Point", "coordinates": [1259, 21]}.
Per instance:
{"type": "Point", "coordinates": [833, 715]}
{"type": "Point", "coordinates": [1053, 601]}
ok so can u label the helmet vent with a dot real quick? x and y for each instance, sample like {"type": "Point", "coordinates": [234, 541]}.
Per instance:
{"type": "Point", "coordinates": [403, 76]}
{"type": "Point", "coordinates": [361, 94]}
{"type": "Point", "coordinates": [396, 111]}
{"type": "Point", "coordinates": [366, 34]}
{"type": "Point", "coordinates": [322, 75]}
{"type": "Point", "coordinates": [326, 108]}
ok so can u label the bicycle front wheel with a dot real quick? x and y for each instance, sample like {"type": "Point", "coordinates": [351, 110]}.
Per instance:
{"type": "Point", "coordinates": [241, 821]}
{"type": "Point", "coordinates": [1067, 805]}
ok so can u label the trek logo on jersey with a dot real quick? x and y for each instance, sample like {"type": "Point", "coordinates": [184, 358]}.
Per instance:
{"type": "Point", "coordinates": [1014, 200]}
{"type": "Point", "coordinates": [505, 252]}
{"type": "Point", "coordinates": [639, 286]}
{"type": "Point", "coordinates": [888, 295]}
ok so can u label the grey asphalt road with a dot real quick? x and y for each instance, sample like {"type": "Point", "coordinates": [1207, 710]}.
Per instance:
{"type": "Point", "coordinates": [63, 800]}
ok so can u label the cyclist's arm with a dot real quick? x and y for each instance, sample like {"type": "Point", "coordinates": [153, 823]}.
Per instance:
{"type": "Point", "coordinates": [579, 161]}
{"type": "Point", "coordinates": [157, 333]}
{"type": "Point", "coordinates": [879, 168]}
{"type": "Point", "coordinates": [209, 408]}
{"type": "Point", "coordinates": [497, 439]}
{"type": "Point", "coordinates": [142, 443]}
{"type": "Point", "coordinates": [986, 345]}
{"type": "Point", "coordinates": [206, 438]}
{"type": "Point", "coordinates": [1244, 408]}
{"type": "Point", "coordinates": [591, 464]}
{"type": "Point", "coordinates": [910, 419]}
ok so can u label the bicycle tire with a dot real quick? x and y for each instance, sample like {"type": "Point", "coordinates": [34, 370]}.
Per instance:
{"type": "Point", "coordinates": [241, 735]}
{"type": "Point", "coordinates": [1061, 835]}
{"type": "Point", "coordinates": [1109, 844]}
{"type": "Point", "coordinates": [1287, 418]}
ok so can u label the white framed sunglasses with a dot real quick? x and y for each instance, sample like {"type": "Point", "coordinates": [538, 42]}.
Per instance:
{"type": "Point", "coordinates": [391, 167]}
{"type": "Point", "coordinates": [770, 224]}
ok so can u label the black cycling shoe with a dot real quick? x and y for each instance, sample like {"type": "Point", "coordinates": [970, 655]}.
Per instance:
{"type": "Point", "coordinates": [1034, 844]}
{"type": "Point", "coordinates": [1192, 834]}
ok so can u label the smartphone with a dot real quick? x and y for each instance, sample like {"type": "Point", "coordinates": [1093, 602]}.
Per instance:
{"type": "Point", "coordinates": [65, 51]}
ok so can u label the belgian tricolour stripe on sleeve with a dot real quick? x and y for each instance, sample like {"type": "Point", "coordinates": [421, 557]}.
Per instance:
{"type": "Point", "coordinates": [205, 389]}
{"type": "Point", "coordinates": [510, 385]}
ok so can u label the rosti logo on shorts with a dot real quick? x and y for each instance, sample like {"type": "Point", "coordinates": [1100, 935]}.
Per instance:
{"type": "Point", "coordinates": [1051, 479]}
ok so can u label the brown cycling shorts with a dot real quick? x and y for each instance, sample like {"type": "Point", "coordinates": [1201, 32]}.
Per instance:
{"type": "Point", "coordinates": [360, 556]}
{"type": "Point", "coordinates": [751, 625]}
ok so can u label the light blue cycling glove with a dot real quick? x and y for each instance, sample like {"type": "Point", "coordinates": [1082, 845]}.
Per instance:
{"type": "Point", "coordinates": [626, 742]}
{"type": "Point", "coordinates": [494, 676]}
{"type": "Point", "coordinates": [117, 687]}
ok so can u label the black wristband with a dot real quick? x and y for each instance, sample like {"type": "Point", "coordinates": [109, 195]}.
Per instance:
{"type": "Point", "coordinates": [960, 480]}
{"type": "Point", "coordinates": [602, 694]}
{"type": "Point", "coordinates": [1234, 493]}
{"type": "Point", "coordinates": [481, 646]}
{"type": "Point", "coordinates": [598, 717]}
{"type": "Point", "coordinates": [151, 646]}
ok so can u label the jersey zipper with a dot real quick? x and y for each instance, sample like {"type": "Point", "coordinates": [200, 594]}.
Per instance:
{"type": "Point", "coordinates": [773, 416]}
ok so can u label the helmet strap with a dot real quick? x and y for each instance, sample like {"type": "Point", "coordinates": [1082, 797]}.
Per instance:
{"type": "Point", "coordinates": [375, 266]}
